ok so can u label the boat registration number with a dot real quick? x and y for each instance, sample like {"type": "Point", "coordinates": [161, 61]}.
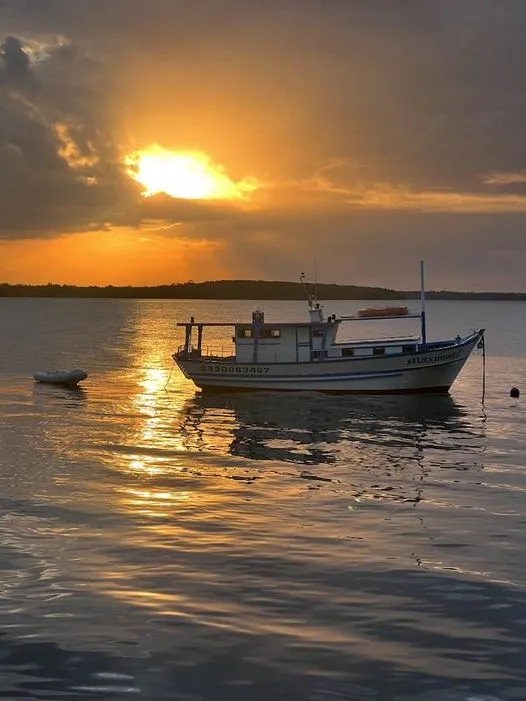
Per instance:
{"type": "Point", "coordinates": [235, 369]}
{"type": "Point", "coordinates": [439, 358]}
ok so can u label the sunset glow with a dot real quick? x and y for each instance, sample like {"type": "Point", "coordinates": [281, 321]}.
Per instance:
{"type": "Point", "coordinates": [229, 143]}
{"type": "Point", "coordinates": [184, 174]}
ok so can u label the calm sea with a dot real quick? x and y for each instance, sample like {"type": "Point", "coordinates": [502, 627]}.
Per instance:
{"type": "Point", "coordinates": [159, 544]}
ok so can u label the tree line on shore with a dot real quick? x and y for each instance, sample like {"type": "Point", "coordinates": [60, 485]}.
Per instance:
{"type": "Point", "coordinates": [240, 289]}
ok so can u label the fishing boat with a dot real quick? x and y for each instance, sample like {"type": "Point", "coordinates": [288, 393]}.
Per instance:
{"type": "Point", "coordinates": [307, 355]}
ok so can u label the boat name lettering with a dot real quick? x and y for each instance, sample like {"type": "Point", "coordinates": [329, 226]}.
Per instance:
{"type": "Point", "coordinates": [237, 369]}
{"type": "Point", "coordinates": [441, 357]}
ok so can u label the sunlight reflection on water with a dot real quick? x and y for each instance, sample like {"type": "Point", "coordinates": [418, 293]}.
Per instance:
{"type": "Point", "coordinates": [163, 542]}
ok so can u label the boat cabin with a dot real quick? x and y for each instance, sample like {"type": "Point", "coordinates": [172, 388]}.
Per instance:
{"type": "Point", "coordinates": [295, 342]}
{"type": "Point", "coordinates": [281, 342]}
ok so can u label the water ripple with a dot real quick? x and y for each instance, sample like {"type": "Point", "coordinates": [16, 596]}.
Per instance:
{"type": "Point", "coordinates": [161, 544]}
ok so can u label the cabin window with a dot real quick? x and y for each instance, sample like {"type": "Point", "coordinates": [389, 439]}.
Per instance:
{"type": "Point", "coordinates": [317, 333]}
{"type": "Point", "coordinates": [347, 352]}
{"type": "Point", "coordinates": [271, 333]}
{"type": "Point", "coordinates": [408, 349]}
{"type": "Point", "coordinates": [379, 350]}
{"type": "Point", "coordinates": [244, 333]}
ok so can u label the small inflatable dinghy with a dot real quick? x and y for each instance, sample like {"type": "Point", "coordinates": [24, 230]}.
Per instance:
{"type": "Point", "coordinates": [68, 378]}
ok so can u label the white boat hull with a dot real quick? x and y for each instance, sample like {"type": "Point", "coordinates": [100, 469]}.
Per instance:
{"type": "Point", "coordinates": [425, 371]}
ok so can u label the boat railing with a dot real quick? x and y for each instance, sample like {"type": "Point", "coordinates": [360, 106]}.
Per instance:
{"type": "Point", "coordinates": [373, 340]}
{"type": "Point", "coordinates": [210, 352]}
{"type": "Point", "coordinates": [387, 317]}
{"type": "Point", "coordinates": [217, 352]}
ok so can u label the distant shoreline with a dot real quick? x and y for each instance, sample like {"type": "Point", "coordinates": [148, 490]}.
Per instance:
{"type": "Point", "coordinates": [243, 290]}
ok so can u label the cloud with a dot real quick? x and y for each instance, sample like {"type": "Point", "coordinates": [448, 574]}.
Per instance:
{"type": "Point", "coordinates": [14, 62]}
{"type": "Point", "coordinates": [388, 197]}
{"type": "Point", "coordinates": [504, 178]}
{"type": "Point", "coordinates": [370, 123]}
{"type": "Point", "coordinates": [61, 170]}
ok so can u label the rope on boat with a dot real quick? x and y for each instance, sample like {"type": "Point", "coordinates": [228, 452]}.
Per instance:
{"type": "Point", "coordinates": [482, 345]}
{"type": "Point", "coordinates": [169, 376]}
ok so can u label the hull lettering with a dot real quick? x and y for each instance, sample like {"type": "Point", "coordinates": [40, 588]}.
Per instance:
{"type": "Point", "coordinates": [431, 360]}
{"type": "Point", "coordinates": [234, 369]}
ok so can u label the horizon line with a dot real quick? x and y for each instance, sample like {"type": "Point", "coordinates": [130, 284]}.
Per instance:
{"type": "Point", "coordinates": [239, 281]}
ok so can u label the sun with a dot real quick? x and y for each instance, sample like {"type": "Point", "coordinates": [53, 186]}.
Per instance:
{"type": "Point", "coordinates": [186, 175]}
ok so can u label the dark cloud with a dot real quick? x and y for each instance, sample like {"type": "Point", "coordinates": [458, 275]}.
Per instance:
{"type": "Point", "coordinates": [60, 167]}
{"type": "Point", "coordinates": [14, 62]}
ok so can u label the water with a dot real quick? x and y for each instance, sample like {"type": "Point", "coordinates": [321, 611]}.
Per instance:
{"type": "Point", "coordinates": [160, 544]}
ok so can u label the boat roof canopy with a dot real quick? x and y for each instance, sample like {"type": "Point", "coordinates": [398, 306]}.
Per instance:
{"type": "Point", "coordinates": [328, 322]}
{"type": "Point", "coordinates": [266, 324]}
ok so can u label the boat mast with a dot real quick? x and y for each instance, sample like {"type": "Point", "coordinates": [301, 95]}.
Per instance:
{"type": "Point", "coordinates": [422, 304]}
{"type": "Point", "coordinates": [315, 276]}
{"type": "Point", "coordinates": [306, 290]}
{"type": "Point", "coordinates": [315, 309]}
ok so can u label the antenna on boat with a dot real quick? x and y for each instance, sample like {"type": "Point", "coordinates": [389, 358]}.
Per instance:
{"type": "Point", "coordinates": [315, 276]}
{"type": "Point", "coordinates": [306, 290]}
{"type": "Point", "coordinates": [423, 303]}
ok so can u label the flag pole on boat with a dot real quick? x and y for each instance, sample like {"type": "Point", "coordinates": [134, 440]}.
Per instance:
{"type": "Point", "coordinates": [315, 276]}
{"type": "Point", "coordinates": [423, 303]}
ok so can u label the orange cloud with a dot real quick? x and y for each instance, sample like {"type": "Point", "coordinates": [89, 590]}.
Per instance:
{"type": "Point", "coordinates": [69, 151]}
{"type": "Point", "coordinates": [387, 197]}
{"type": "Point", "coordinates": [504, 178]}
{"type": "Point", "coordinates": [319, 193]}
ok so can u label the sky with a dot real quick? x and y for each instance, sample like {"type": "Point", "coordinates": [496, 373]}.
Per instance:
{"type": "Point", "coordinates": [363, 135]}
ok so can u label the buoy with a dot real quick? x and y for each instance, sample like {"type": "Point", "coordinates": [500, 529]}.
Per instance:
{"type": "Point", "coordinates": [514, 392]}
